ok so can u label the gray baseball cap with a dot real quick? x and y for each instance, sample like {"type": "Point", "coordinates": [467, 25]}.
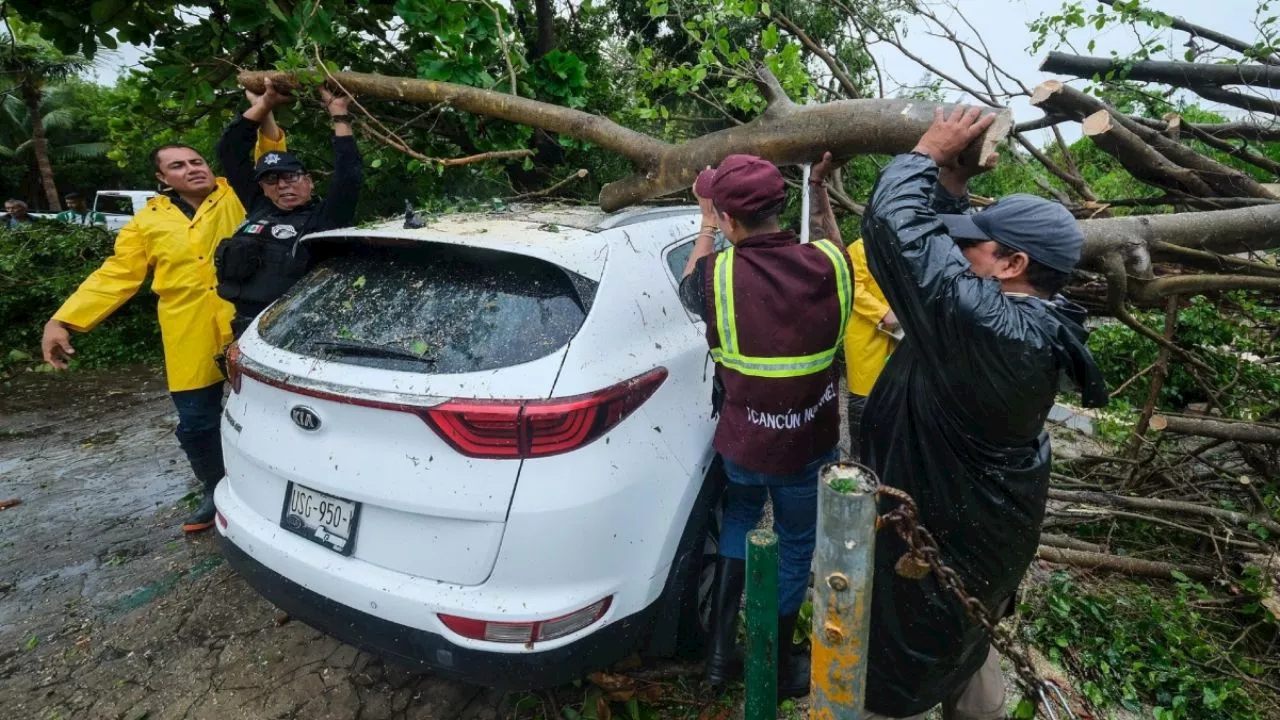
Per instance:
{"type": "Point", "coordinates": [1044, 230]}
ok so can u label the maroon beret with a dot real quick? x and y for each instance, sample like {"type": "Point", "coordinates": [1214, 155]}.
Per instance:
{"type": "Point", "coordinates": [746, 185]}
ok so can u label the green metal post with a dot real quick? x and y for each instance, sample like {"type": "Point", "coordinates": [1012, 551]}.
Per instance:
{"type": "Point", "coordinates": [762, 626]}
{"type": "Point", "coordinates": [843, 568]}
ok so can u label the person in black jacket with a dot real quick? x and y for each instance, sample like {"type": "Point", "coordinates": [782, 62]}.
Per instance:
{"type": "Point", "coordinates": [264, 257]}
{"type": "Point", "coordinates": [957, 417]}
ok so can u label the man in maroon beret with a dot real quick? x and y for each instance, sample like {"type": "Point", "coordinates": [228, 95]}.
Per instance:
{"type": "Point", "coordinates": [775, 311]}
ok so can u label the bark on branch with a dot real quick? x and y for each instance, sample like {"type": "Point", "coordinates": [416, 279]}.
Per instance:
{"type": "Point", "coordinates": [1222, 430]}
{"type": "Point", "coordinates": [1203, 79]}
{"type": "Point", "coordinates": [1140, 159]}
{"type": "Point", "coordinates": [1134, 141]}
{"type": "Point", "coordinates": [1221, 231]}
{"type": "Point", "coordinates": [1127, 565]}
{"type": "Point", "coordinates": [1173, 506]}
{"type": "Point", "coordinates": [786, 134]}
{"type": "Point", "coordinates": [1181, 74]}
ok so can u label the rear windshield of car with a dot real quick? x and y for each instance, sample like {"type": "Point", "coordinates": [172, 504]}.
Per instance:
{"type": "Point", "coordinates": [435, 308]}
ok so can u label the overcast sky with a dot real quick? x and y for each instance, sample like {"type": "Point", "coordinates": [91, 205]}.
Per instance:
{"type": "Point", "coordinates": [1004, 28]}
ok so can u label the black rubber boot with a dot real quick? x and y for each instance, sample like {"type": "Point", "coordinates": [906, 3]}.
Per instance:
{"type": "Point", "coordinates": [793, 661]}
{"type": "Point", "coordinates": [202, 517]}
{"type": "Point", "coordinates": [724, 663]}
{"type": "Point", "coordinates": [204, 452]}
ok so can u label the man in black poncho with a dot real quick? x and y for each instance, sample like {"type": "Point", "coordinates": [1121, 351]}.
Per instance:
{"type": "Point", "coordinates": [958, 414]}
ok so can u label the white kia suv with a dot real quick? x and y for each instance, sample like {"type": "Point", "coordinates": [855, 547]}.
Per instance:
{"type": "Point", "coordinates": [482, 447]}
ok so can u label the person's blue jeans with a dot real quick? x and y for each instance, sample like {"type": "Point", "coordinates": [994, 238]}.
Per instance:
{"type": "Point", "coordinates": [199, 415]}
{"type": "Point", "coordinates": [795, 520]}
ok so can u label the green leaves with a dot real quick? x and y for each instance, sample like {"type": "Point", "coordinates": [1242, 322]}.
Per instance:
{"type": "Point", "coordinates": [769, 38]}
{"type": "Point", "coordinates": [1133, 645]}
{"type": "Point", "coordinates": [103, 11]}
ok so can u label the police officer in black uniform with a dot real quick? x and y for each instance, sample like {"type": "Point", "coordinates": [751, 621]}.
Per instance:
{"type": "Point", "coordinates": [263, 259]}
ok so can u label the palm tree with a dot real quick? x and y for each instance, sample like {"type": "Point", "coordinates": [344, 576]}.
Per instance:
{"type": "Point", "coordinates": [58, 119]}
{"type": "Point", "coordinates": [30, 64]}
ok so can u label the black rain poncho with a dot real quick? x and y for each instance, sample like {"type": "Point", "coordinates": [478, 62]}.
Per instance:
{"type": "Point", "coordinates": [957, 420]}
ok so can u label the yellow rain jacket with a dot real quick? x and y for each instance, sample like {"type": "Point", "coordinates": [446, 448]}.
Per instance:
{"type": "Point", "coordinates": [866, 349]}
{"type": "Point", "coordinates": [194, 322]}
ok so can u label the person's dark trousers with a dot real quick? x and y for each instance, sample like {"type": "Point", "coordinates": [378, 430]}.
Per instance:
{"type": "Point", "coordinates": [199, 415]}
{"type": "Point", "coordinates": [239, 324]}
{"type": "Point", "coordinates": [795, 516]}
{"type": "Point", "coordinates": [856, 405]}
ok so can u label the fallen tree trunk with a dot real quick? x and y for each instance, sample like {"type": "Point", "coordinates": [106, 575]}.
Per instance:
{"type": "Point", "coordinates": [1175, 506]}
{"type": "Point", "coordinates": [1146, 151]}
{"type": "Point", "coordinates": [1182, 74]}
{"type": "Point", "coordinates": [1207, 427]}
{"type": "Point", "coordinates": [1203, 79]}
{"type": "Point", "coordinates": [1069, 543]}
{"type": "Point", "coordinates": [785, 133]}
{"type": "Point", "coordinates": [1141, 159]}
{"type": "Point", "coordinates": [1222, 231]}
{"type": "Point", "coordinates": [1127, 565]}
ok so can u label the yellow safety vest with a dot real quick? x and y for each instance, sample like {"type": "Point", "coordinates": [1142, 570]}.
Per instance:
{"type": "Point", "coordinates": [728, 354]}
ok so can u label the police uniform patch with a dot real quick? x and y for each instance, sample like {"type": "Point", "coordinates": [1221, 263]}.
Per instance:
{"type": "Point", "coordinates": [283, 232]}
{"type": "Point", "coordinates": [253, 228]}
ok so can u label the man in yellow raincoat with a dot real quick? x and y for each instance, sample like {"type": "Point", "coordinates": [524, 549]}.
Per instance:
{"type": "Point", "coordinates": [872, 331]}
{"type": "Point", "coordinates": [174, 237]}
{"type": "Point", "coordinates": [868, 340]}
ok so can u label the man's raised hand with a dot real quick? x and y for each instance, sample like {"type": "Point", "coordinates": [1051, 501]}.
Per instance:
{"type": "Point", "coordinates": [948, 137]}
{"type": "Point", "coordinates": [819, 173]}
{"type": "Point", "coordinates": [334, 104]}
{"type": "Point", "coordinates": [270, 98]}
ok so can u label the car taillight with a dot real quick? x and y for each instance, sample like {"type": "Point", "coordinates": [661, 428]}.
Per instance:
{"type": "Point", "coordinates": [527, 632]}
{"type": "Point", "coordinates": [234, 373]}
{"type": "Point", "coordinates": [509, 429]}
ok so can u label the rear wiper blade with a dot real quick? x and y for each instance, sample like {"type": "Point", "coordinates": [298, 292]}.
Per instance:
{"type": "Point", "coordinates": [355, 347]}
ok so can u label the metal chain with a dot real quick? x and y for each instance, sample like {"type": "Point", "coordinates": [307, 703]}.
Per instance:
{"type": "Point", "coordinates": [923, 556]}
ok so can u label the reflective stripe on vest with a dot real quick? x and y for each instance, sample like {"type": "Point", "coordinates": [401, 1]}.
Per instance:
{"type": "Point", "coordinates": [728, 353]}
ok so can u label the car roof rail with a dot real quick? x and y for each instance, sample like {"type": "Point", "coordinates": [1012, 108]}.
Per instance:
{"type": "Point", "coordinates": [644, 214]}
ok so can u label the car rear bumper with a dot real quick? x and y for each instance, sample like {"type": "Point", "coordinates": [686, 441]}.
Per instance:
{"type": "Point", "coordinates": [422, 650]}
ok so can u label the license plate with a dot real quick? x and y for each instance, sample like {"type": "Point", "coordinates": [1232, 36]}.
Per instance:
{"type": "Point", "coordinates": [320, 517]}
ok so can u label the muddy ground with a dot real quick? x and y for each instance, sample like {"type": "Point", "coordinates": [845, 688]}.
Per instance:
{"type": "Point", "coordinates": [107, 611]}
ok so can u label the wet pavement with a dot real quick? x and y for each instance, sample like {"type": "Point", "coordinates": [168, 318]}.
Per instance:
{"type": "Point", "coordinates": [108, 611]}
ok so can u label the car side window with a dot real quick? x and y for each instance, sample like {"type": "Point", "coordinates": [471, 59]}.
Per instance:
{"type": "Point", "coordinates": [679, 255]}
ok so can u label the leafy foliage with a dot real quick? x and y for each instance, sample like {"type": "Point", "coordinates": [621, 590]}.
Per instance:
{"type": "Point", "coordinates": [1142, 646]}
{"type": "Point", "coordinates": [1232, 343]}
{"type": "Point", "coordinates": [39, 267]}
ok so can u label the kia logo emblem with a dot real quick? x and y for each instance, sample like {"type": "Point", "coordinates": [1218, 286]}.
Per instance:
{"type": "Point", "coordinates": [305, 418]}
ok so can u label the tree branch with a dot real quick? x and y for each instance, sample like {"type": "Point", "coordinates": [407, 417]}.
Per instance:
{"type": "Point", "coordinates": [1173, 506]}
{"type": "Point", "coordinates": [787, 134]}
{"type": "Point", "coordinates": [1153, 290]}
{"type": "Point", "coordinates": [1139, 158]}
{"type": "Point", "coordinates": [837, 70]}
{"type": "Point", "coordinates": [1179, 74]}
{"type": "Point", "coordinates": [1127, 565]}
{"type": "Point", "coordinates": [1211, 35]}
{"type": "Point", "coordinates": [550, 190]}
